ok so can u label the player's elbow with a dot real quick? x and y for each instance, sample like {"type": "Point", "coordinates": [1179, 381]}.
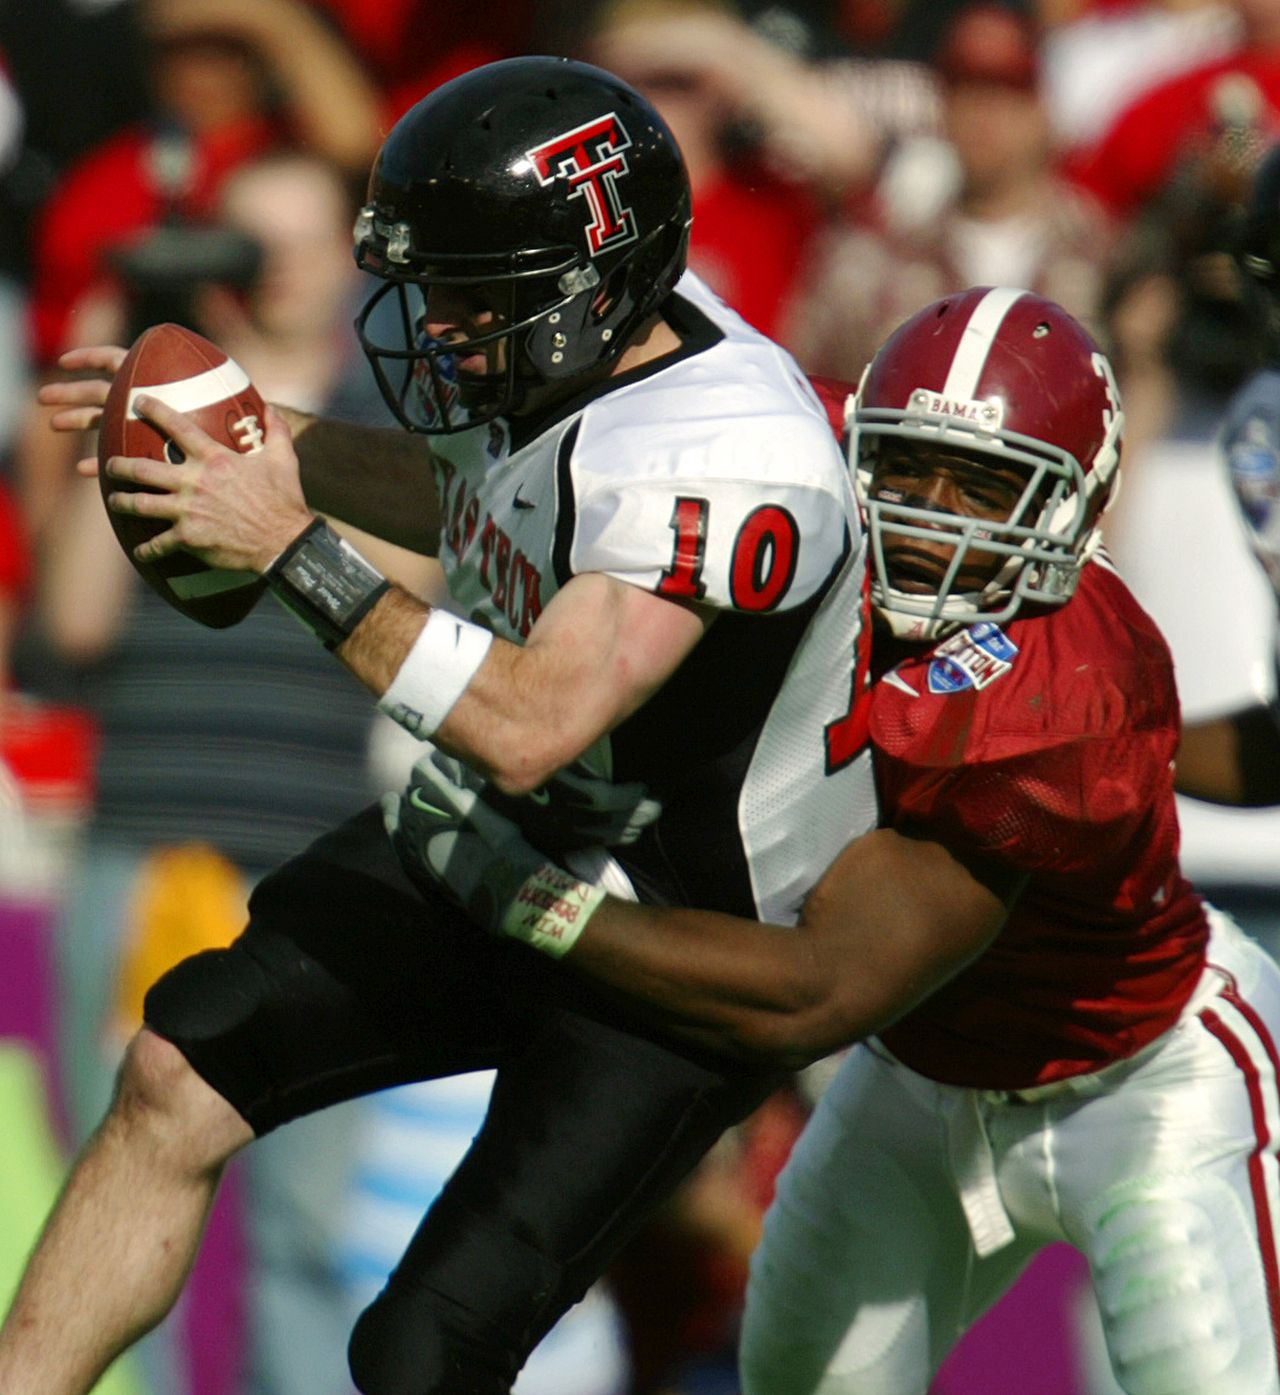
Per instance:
{"type": "Point", "coordinates": [520, 772]}
{"type": "Point", "coordinates": [524, 759]}
{"type": "Point", "coordinates": [788, 1023]}
{"type": "Point", "coordinates": [785, 1044]}
{"type": "Point", "coordinates": [802, 1025]}
{"type": "Point", "coordinates": [78, 637]}
{"type": "Point", "coordinates": [809, 1036]}
{"type": "Point", "coordinates": [775, 1044]}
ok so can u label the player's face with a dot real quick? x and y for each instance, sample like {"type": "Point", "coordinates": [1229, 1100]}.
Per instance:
{"type": "Point", "coordinates": [950, 483]}
{"type": "Point", "coordinates": [459, 314]}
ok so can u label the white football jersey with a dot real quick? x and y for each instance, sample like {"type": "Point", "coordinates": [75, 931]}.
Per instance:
{"type": "Point", "coordinates": [710, 476]}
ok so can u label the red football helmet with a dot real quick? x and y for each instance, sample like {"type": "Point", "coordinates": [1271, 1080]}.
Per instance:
{"type": "Point", "coordinates": [1004, 373]}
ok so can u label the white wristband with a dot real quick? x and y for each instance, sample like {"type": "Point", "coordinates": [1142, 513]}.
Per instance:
{"type": "Point", "coordinates": [551, 910]}
{"type": "Point", "coordinates": [443, 660]}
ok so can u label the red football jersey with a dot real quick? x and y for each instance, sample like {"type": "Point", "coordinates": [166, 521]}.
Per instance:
{"type": "Point", "coordinates": [1047, 746]}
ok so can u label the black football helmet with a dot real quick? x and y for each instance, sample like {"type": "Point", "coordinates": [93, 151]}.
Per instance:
{"type": "Point", "coordinates": [549, 193]}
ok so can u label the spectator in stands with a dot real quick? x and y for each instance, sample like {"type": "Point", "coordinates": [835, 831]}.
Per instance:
{"type": "Point", "coordinates": [49, 117]}
{"type": "Point", "coordinates": [749, 224]}
{"type": "Point", "coordinates": [821, 106]}
{"type": "Point", "coordinates": [233, 78]}
{"type": "Point", "coordinates": [13, 365]}
{"type": "Point", "coordinates": [1101, 58]}
{"type": "Point", "coordinates": [1235, 757]}
{"type": "Point", "coordinates": [1010, 220]}
{"type": "Point", "coordinates": [907, 30]}
{"type": "Point", "coordinates": [1181, 334]}
{"type": "Point", "coordinates": [409, 47]}
{"type": "Point", "coordinates": [760, 91]}
{"type": "Point", "coordinates": [1224, 109]}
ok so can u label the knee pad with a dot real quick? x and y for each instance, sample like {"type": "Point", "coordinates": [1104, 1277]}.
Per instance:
{"type": "Point", "coordinates": [1180, 1288]}
{"type": "Point", "coordinates": [413, 1343]}
{"type": "Point", "coordinates": [210, 1006]}
{"type": "Point", "coordinates": [463, 1309]}
{"type": "Point", "coordinates": [211, 994]}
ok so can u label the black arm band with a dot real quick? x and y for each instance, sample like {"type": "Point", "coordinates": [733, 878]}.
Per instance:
{"type": "Point", "coordinates": [325, 582]}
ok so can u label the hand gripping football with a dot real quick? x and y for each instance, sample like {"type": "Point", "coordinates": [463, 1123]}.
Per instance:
{"type": "Point", "coordinates": [195, 377]}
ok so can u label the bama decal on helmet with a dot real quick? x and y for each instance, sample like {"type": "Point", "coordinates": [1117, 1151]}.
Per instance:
{"type": "Point", "coordinates": [590, 158]}
{"type": "Point", "coordinates": [988, 415]}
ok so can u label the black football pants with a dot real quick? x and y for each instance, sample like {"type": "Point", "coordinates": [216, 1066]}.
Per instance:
{"type": "Point", "coordinates": [350, 978]}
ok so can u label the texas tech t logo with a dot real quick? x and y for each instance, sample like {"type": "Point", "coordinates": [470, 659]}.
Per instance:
{"type": "Point", "coordinates": [590, 158]}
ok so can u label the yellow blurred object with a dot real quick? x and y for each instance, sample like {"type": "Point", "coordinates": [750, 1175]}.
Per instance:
{"type": "Point", "coordinates": [187, 898]}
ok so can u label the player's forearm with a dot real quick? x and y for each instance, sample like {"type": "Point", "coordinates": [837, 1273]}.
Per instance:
{"type": "Point", "coordinates": [1232, 760]}
{"type": "Point", "coordinates": [746, 989]}
{"type": "Point", "coordinates": [378, 479]}
{"type": "Point", "coordinates": [892, 920]}
{"type": "Point", "coordinates": [521, 715]}
{"type": "Point", "coordinates": [85, 579]}
{"type": "Point", "coordinates": [598, 651]}
{"type": "Point", "coordinates": [328, 97]}
{"type": "Point", "coordinates": [528, 712]}
{"type": "Point", "coordinates": [517, 713]}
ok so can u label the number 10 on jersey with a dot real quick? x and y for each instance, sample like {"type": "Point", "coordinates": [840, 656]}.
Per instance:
{"type": "Point", "coordinates": [762, 567]}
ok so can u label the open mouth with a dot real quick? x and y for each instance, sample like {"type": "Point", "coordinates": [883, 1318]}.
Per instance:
{"type": "Point", "coordinates": [916, 573]}
{"type": "Point", "coordinates": [449, 345]}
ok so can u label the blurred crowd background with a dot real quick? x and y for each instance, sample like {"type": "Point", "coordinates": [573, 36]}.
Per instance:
{"type": "Point", "coordinates": [851, 160]}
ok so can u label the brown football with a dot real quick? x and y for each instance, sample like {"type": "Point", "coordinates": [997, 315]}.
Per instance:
{"type": "Point", "coordinates": [195, 377]}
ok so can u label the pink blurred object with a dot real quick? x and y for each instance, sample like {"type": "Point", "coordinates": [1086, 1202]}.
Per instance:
{"type": "Point", "coordinates": [1028, 1342]}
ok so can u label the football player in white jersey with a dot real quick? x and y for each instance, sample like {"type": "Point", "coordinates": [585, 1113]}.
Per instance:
{"type": "Point", "coordinates": [655, 570]}
{"type": "Point", "coordinates": [1060, 1040]}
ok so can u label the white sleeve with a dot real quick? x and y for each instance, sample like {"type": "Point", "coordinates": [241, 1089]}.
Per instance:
{"type": "Point", "coordinates": [763, 539]}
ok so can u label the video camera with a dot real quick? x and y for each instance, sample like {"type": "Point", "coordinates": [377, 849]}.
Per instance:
{"type": "Point", "coordinates": [164, 268]}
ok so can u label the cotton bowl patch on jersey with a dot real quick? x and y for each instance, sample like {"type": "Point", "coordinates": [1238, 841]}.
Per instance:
{"type": "Point", "coordinates": [971, 659]}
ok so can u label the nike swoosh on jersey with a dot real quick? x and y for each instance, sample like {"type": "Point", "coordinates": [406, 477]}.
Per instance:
{"type": "Point", "coordinates": [896, 679]}
{"type": "Point", "coordinates": [521, 503]}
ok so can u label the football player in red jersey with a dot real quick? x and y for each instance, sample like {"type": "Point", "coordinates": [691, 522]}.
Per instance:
{"type": "Point", "coordinates": [1060, 1040]}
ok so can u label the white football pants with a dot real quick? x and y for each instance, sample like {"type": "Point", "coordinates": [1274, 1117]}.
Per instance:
{"type": "Point", "coordinates": [908, 1207]}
